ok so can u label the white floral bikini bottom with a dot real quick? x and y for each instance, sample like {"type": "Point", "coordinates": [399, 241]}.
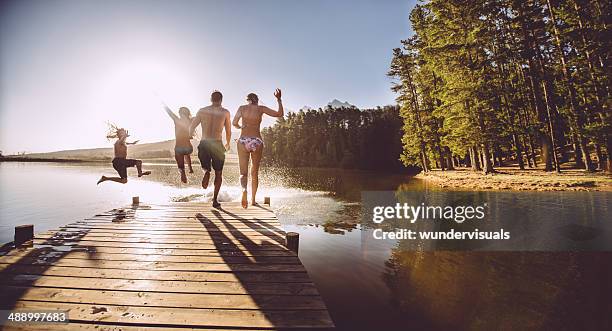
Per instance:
{"type": "Point", "coordinates": [251, 143]}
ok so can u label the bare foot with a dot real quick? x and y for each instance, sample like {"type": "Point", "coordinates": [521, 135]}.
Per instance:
{"type": "Point", "coordinates": [245, 202]}
{"type": "Point", "coordinates": [205, 180]}
{"type": "Point", "coordinates": [216, 204]}
{"type": "Point", "coordinates": [254, 203]}
{"type": "Point", "coordinates": [146, 173]}
{"type": "Point", "coordinates": [103, 178]}
{"type": "Point", "coordinates": [183, 177]}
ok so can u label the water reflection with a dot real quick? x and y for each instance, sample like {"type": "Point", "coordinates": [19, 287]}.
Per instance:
{"type": "Point", "coordinates": [503, 290]}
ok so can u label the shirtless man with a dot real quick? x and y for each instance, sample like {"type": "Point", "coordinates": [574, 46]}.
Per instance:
{"type": "Point", "coordinates": [211, 151]}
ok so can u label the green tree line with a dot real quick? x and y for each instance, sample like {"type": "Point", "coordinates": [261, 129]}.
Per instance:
{"type": "Point", "coordinates": [336, 137]}
{"type": "Point", "coordinates": [525, 82]}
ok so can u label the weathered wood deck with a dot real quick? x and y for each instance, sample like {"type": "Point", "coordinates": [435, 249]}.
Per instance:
{"type": "Point", "coordinates": [182, 265]}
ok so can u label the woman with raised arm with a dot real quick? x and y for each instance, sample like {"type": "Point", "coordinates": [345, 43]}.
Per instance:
{"type": "Point", "coordinates": [250, 145]}
{"type": "Point", "coordinates": [182, 147]}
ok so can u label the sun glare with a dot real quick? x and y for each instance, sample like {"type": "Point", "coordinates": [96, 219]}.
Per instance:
{"type": "Point", "coordinates": [130, 94]}
{"type": "Point", "coordinates": [144, 81]}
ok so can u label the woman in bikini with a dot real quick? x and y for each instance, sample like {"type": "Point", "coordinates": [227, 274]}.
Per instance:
{"type": "Point", "coordinates": [182, 147]}
{"type": "Point", "coordinates": [250, 145]}
{"type": "Point", "coordinates": [121, 162]}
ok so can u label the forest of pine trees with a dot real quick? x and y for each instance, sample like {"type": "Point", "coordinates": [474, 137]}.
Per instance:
{"type": "Point", "coordinates": [514, 82]}
{"type": "Point", "coordinates": [336, 137]}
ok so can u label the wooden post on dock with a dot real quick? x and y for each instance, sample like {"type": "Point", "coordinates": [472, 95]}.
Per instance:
{"type": "Point", "coordinates": [292, 240]}
{"type": "Point", "coordinates": [267, 201]}
{"type": "Point", "coordinates": [23, 233]}
{"type": "Point", "coordinates": [135, 201]}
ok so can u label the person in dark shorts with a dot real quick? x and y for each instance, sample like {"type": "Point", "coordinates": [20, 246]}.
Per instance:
{"type": "Point", "coordinates": [121, 162]}
{"type": "Point", "coordinates": [211, 150]}
{"type": "Point", "coordinates": [211, 153]}
{"type": "Point", "coordinates": [182, 147]}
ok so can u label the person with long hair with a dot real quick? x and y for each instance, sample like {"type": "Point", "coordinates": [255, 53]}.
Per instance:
{"type": "Point", "coordinates": [182, 147]}
{"type": "Point", "coordinates": [250, 145]}
{"type": "Point", "coordinates": [120, 161]}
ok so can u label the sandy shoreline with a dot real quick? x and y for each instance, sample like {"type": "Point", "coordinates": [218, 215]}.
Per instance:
{"type": "Point", "coordinates": [520, 180]}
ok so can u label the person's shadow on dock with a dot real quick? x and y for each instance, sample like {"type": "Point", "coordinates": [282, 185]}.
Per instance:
{"type": "Point", "coordinates": [275, 307]}
{"type": "Point", "coordinates": [256, 224]}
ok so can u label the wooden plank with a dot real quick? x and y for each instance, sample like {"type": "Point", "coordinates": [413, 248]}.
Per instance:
{"type": "Point", "coordinates": [234, 227]}
{"type": "Point", "coordinates": [180, 209]}
{"type": "Point", "coordinates": [194, 232]}
{"type": "Point", "coordinates": [226, 208]}
{"type": "Point", "coordinates": [197, 204]}
{"type": "Point", "coordinates": [188, 317]}
{"type": "Point", "coordinates": [138, 285]}
{"type": "Point", "coordinates": [49, 253]}
{"type": "Point", "coordinates": [164, 251]}
{"type": "Point", "coordinates": [191, 216]}
{"type": "Point", "coordinates": [275, 226]}
{"type": "Point", "coordinates": [196, 276]}
{"type": "Point", "coordinates": [165, 227]}
{"type": "Point", "coordinates": [167, 266]}
{"type": "Point", "coordinates": [270, 246]}
{"type": "Point", "coordinates": [189, 220]}
{"type": "Point", "coordinates": [144, 231]}
{"type": "Point", "coordinates": [255, 221]}
{"type": "Point", "coordinates": [183, 217]}
{"type": "Point", "coordinates": [162, 226]}
{"type": "Point", "coordinates": [150, 298]}
{"type": "Point", "coordinates": [120, 234]}
{"type": "Point", "coordinates": [191, 213]}
{"type": "Point", "coordinates": [220, 240]}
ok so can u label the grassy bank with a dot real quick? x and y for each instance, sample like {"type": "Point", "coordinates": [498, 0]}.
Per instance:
{"type": "Point", "coordinates": [521, 180]}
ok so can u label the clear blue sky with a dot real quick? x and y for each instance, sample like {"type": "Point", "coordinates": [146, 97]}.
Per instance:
{"type": "Point", "coordinates": [67, 67]}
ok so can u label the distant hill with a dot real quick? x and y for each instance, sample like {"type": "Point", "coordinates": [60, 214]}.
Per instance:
{"type": "Point", "coordinates": [160, 149]}
{"type": "Point", "coordinates": [156, 150]}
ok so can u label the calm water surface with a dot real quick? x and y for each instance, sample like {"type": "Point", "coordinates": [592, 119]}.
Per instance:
{"type": "Point", "coordinates": [379, 287]}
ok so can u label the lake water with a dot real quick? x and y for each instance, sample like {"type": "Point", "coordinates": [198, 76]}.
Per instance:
{"type": "Point", "coordinates": [383, 286]}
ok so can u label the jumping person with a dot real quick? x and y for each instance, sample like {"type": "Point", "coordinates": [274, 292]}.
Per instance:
{"type": "Point", "coordinates": [182, 147]}
{"type": "Point", "coordinates": [250, 145]}
{"type": "Point", "coordinates": [211, 150]}
{"type": "Point", "coordinates": [121, 162]}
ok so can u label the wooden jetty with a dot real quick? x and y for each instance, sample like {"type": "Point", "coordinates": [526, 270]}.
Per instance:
{"type": "Point", "coordinates": [164, 267]}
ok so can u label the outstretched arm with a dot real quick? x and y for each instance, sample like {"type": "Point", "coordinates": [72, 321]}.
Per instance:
{"type": "Point", "coordinates": [237, 118]}
{"type": "Point", "coordinates": [280, 112]}
{"type": "Point", "coordinates": [169, 111]}
{"type": "Point", "coordinates": [228, 131]}
{"type": "Point", "coordinates": [132, 143]}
